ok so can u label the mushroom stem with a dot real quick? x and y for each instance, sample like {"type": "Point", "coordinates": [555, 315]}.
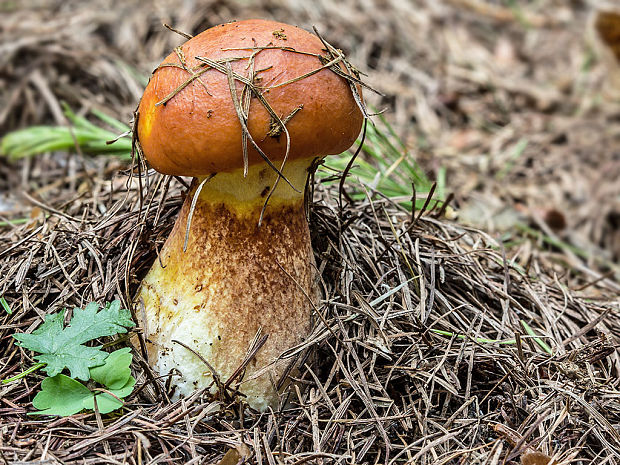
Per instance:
{"type": "Point", "coordinates": [234, 279]}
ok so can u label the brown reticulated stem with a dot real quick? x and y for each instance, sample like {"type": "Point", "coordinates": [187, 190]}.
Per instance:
{"type": "Point", "coordinates": [234, 279]}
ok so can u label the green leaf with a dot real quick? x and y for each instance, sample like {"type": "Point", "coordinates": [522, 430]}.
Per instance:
{"type": "Point", "coordinates": [88, 323]}
{"type": "Point", "coordinates": [107, 403]}
{"type": "Point", "coordinates": [77, 358]}
{"type": "Point", "coordinates": [64, 396]}
{"type": "Point", "coordinates": [62, 347]}
{"type": "Point", "coordinates": [61, 395]}
{"type": "Point", "coordinates": [115, 372]}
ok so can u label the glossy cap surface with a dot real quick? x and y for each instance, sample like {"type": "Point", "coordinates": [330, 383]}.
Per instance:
{"type": "Point", "coordinates": [197, 131]}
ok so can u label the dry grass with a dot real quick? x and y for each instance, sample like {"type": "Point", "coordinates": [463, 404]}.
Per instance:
{"type": "Point", "coordinates": [507, 96]}
{"type": "Point", "coordinates": [401, 365]}
{"type": "Point", "coordinates": [409, 360]}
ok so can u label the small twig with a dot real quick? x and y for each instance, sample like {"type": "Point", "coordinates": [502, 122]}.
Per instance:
{"type": "Point", "coordinates": [181, 33]}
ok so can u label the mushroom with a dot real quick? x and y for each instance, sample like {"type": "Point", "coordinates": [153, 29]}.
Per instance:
{"type": "Point", "coordinates": [605, 29]}
{"type": "Point", "coordinates": [227, 295]}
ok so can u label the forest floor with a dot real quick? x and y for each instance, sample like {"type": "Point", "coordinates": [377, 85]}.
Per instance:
{"type": "Point", "coordinates": [479, 333]}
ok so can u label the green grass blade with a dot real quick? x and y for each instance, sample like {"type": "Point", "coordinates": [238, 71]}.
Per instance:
{"type": "Point", "coordinates": [5, 306]}
{"type": "Point", "coordinates": [537, 339]}
{"type": "Point", "coordinates": [479, 340]}
{"type": "Point", "coordinates": [112, 122]}
{"type": "Point", "coordinates": [387, 168]}
{"type": "Point", "coordinates": [89, 138]}
{"type": "Point", "coordinates": [23, 374]}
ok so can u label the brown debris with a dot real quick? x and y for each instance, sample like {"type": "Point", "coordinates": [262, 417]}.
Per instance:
{"type": "Point", "coordinates": [279, 34]}
{"type": "Point", "coordinates": [380, 382]}
{"type": "Point", "coordinates": [375, 366]}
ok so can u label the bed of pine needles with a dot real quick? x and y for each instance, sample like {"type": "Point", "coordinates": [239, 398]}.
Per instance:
{"type": "Point", "coordinates": [435, 342]}
{"type": "Point", "coordinates": [431, 346]}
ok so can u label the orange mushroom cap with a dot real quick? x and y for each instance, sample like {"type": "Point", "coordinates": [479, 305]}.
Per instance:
{"type": "Point", "coordinates": [197, 131]}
